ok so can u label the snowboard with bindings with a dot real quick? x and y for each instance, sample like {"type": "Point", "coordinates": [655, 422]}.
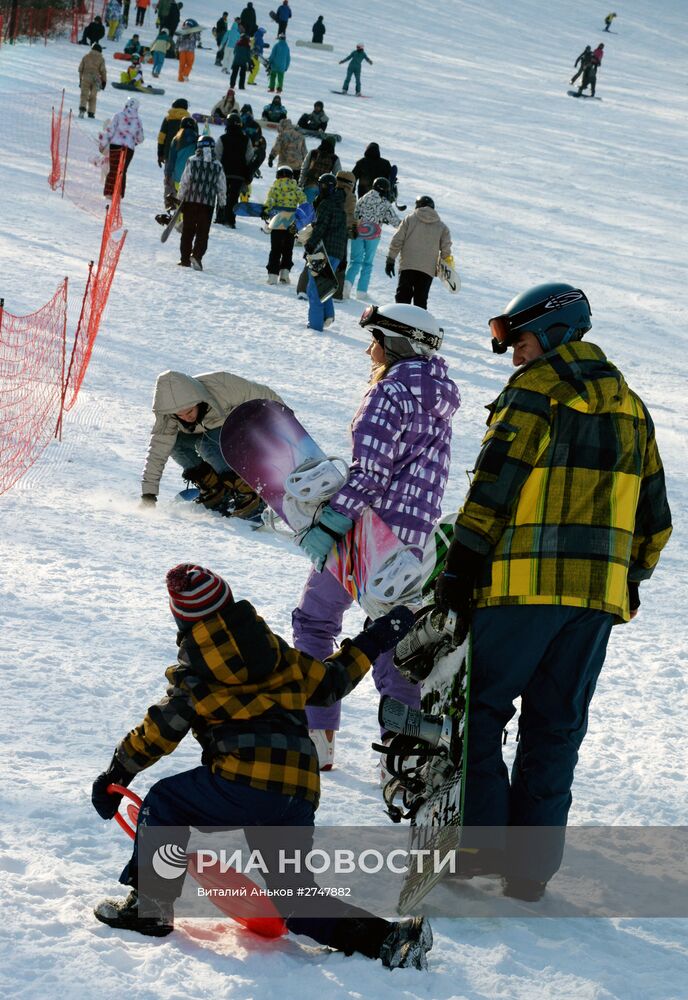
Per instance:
{"type": "Point", "coordinates": [212, 119]}
{"type": "Point", "coordinates": [346, 93]}
{"type": "Point", "coordinates": [448, 276]}
{"type": "Point", "coordinates": [126, 57]}
{"type": "Point", "coordinates": [322, 272]}
{"type": "Point", "coordinates": [138, 90]}
{"type": "Point", "coordinates": [252, 209]}
{"type": "Point", "coordinates": [165, 235]}
{"type": "Point", "coordinates": [267, 446]}
{"type": "Point", "coordinates": [325, 46]}
{"type": "Point", "coordinates": [426, 758]}
{"type": "Point", "coordinates": [588, 97]}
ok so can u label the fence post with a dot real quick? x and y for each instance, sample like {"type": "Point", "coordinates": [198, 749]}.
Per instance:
{"type": "Point", "coordinates": [2, 308]}
{"type": "Point", "coordinates": [69, 132]}
{"type": "Point", "coordinates": [58, 428]}
{"type": "Point", "coordinates": [78, 334]}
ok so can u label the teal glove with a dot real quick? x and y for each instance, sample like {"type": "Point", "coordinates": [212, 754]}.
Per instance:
{"type": "Point", "coordinates": [319, 540]}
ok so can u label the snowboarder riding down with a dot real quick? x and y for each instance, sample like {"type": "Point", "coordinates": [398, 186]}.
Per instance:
{"type": "Point", "coordinates": [355, 60]}
{"type": "Point", "coordinates": [242, 691]}
{"type": "Point", "coordinates": [401, 436]}
{"type": "Point", "coordinates": [566, 515]}
{"type": "Point", "coordinates": [189, 414]}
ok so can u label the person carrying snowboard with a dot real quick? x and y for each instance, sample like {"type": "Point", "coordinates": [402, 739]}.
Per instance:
{"type": "Point", "coordinates": [123, 133]}
{"type": "Point", "coordinates": [565, 517]}
{"type": "Point", "coordinates": [355, 61]}
{"type": "Point", "coordinates": [401, 438]}
{"type": "Point", "coordinates": [92, 79]}
{"type": "Point", "coordinates": [189, 414]}
{"type": "Point", "coordinates": [329, 228]}
{"type": "Point", "coordinates": [373, 208]}
{"type": "Point", "coordinates": [419, 241]}
{"type": "Point", "coordinates": [283, 198]}
{"type": "Point", "coordinates": [242, 691]}
{"type": "Point", "coordinates": [202, 184]}
{"type": "Point", "coordinates": [319, 30]}
{"type": "Point", "coordinates": [235, 153]}
{"type": "Point", "coordinates": [582, 62]}
{"type": "Point", "coordinates": [283, 18]}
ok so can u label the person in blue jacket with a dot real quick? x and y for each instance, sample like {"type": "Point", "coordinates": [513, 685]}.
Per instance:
{"type": "Point", "coordinates": [278, 64]}
{"type": "Point", "coordinates": [225, 54]}
{"type": "Point", "coordinates": [283, 15]}
{"type": "Point", "coordinates": [181, 148]}
{"type": "Point", "coordinates": [355, 60]}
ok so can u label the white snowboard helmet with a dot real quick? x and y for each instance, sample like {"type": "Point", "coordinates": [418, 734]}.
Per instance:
{"type": "Point", "coordinates": [400, 321]}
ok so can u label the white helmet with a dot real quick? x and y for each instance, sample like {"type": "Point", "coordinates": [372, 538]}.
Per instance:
{"type": "Point", "coordinates": [399, 320]}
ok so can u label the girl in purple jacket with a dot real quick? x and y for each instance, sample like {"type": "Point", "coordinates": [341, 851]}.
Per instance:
{"type": "Point", "coordinates": [401, 450]}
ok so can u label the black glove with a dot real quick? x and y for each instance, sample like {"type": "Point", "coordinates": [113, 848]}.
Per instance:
{"type": "Point", "coordinates": [353, 232]}
{"type": "Point", "coordinates": [271, 160]}
{"type": "Point", "coordinates": [103, 85]}
{"type": "Point", "coordinates": [148, 500]}
{"type": "Point", "coordinates": [106, 805]}
{"type": "Point", "coordinates": [161, 163]}
{"type": "Point", "coordinates": [308, 248]}
{"type": "Point", "coordinates": [265, 215]}
{"type": "Point", "coordinates": [633, 596]}
{"type": "Point", "coordinates": [389, 267]}
{"type": "Point", "coordinates": [385, 632]}
{"type": "Point", "coordinates": [454, 587]}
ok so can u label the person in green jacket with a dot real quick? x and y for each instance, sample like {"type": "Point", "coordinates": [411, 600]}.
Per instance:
{"type": "Point", "coordinates": [565, 517]}
{"type": "Point", "coordinates": [355, 61]}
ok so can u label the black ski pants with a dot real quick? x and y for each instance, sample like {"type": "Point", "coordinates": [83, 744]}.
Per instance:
{"type": "Point", "coordinates": [281, 248]}
{"type": "Point", "coordinates": [140, 16]}
{"type": "Point", "coordinates": [226, 215]}
{"type": "Point", "coordinates": [241, 72]}
{"type": "Point", "coordinates": [195, 229]}
{"type": "Point", "coordinates": [413, 287]}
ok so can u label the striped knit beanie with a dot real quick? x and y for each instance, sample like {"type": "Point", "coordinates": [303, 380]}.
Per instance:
{"type": "Point", "coordinates": [195, 592]}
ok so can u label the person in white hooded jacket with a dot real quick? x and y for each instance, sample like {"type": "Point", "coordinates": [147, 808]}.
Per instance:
{"type": "Point", "coordinates": [189, 414]}
{"type": "Point", "coordinates": [124, 132]}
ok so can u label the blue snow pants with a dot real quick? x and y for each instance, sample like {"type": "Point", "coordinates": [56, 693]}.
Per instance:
{"type": "Point", "coordinates": [200, 798]}
{"type": "Point", "coordinates": [361, 259]}
{"type": "Point", "coordinates": [354, 71]}
{"type": "Point", "coordinates": [190, 448]}
{"type": "Point", "coordinates": [551, 657]}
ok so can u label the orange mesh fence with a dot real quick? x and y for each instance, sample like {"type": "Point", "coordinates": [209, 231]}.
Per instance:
{"type": "Point", "coordinates": [96, 294]}
{"type": "Point", "coordinates": [32, 360]}
{"type": "Point", "coordinates": [36, 22]}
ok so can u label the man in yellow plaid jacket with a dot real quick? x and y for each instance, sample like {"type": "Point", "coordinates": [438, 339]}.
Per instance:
{"type": "Point", "coordinates": [566, 515]}
{"type": "Point", "coordinates": [242, 692]}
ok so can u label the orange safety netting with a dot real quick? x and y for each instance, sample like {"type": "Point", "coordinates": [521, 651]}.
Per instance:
{"type": "Point", "coordinates": [96, 294]}
{"type": "Point", "coordinates": [32, 366]}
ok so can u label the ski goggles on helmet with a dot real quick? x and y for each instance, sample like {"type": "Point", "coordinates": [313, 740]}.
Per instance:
{"type": "Point", "coordinates": [505, 329]}
{"type": "Point", "coordinates": [372, 317]}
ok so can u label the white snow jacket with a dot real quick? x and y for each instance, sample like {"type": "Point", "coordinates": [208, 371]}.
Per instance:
{"type": "Point", "coordinates": [125, 129]}
{"type": "Point", "coordinates": [203, 180]}
{"type": "Point", "coordinates": [372, 207]}
{"type": "Point", "coordinates": [419, 240]}
{"type": "Point", "coordinates": [175, 391]}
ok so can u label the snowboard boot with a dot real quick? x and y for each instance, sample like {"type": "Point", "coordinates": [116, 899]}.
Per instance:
{"type": "Point", "coordinates": [243, 501]}
{"type": "Point", "coordinates": [284, 277]}
{"type": "Point", "coordinates": [213, 492]}
{"type": "Point", "coordinates": [91, 114]}
{"type": "Point", "coordinates": [328, 322]}
{"type": "Point", "coordinates": [406, 944]}
{"type": "Point", "coordinates": [346, 290]}
{"type": "Point", "coordinates": [164, 218]}
{"type": "Point", "coordinates": [527, 889]}
{"type": "Point", "coordinates": [196, 264]}
{"type": "Point", "coordinates": [82, 112]}
{"type": "Point", "coordinates": [124, 913]}
{"type": "Point", "coordinates": [272, 279]}
{"type": "Point", "coordinates": [324, 746]}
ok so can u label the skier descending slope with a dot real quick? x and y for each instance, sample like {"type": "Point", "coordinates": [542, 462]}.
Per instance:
{"type": "Point", "coordinates": [238, 685]}
{"type": "Point", "coordinates": [400, 464]}
{"type": "Point", "coordinates": [566, 515]}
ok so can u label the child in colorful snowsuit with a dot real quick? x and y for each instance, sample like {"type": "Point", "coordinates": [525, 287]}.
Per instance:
{"type": "Point", "coordinates": [242, 691]}
{"type": "Point", "coordinates": [283, 196]}
{"type": "Point", "coordinates": [401, 437]}
{"type": "Point", "coordinates": [355, 60]}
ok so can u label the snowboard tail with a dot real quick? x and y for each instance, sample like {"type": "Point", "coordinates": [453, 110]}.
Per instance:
{"type": "Point", "coordinates": [321, 270]}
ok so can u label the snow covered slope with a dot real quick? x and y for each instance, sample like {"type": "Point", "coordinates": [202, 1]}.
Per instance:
{"type": "Point", "coordinates": [470, 101]}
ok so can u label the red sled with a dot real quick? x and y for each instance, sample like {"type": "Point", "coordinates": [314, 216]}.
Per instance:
{"type": "Point", "coordinates": [256, 913]}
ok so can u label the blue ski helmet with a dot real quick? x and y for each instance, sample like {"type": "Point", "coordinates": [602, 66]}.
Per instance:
{"type": "Point", "coordinates": [554, 312]}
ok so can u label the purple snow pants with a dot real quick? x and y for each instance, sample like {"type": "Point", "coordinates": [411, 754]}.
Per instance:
{"type": "Point", "coordinates": [316, 623]}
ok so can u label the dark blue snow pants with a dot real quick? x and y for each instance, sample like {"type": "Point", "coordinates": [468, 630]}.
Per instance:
{"type": "Point", "coordinates": [200, 798]}
{"type": "Point", "coordinates": [551, 657]}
